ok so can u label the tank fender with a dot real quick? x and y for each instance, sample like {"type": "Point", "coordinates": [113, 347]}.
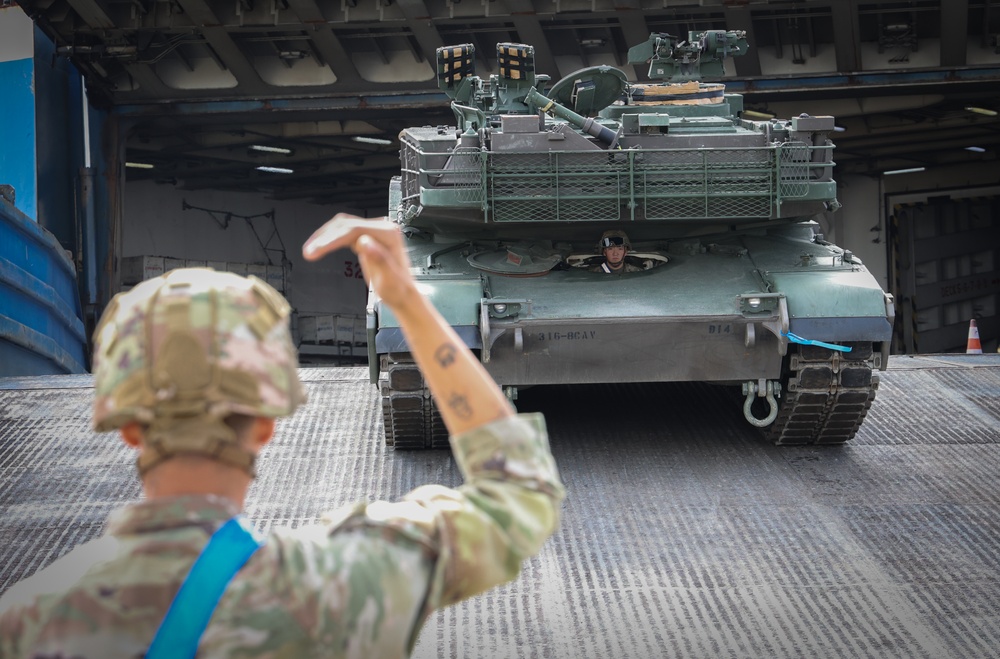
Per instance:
{"type": "Point", "coordinates": [457, 299]}
{"type": "Point", "coordinates": [890, 315]}
{"type": "Point", "coordinates": [371, 327]}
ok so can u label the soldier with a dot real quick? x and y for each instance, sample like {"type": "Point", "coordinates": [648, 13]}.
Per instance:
{"type": "Point", "coordinates": [615, 246]}
{"type": "Point", "coordinates": [193, 367]}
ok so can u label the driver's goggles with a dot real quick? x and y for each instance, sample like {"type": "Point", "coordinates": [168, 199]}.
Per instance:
{"type": "Point", "coordinates": [612, 241]}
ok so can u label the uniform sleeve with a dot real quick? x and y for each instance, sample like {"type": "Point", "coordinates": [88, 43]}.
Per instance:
{"type": "Point", "coordinates": [11, 630]}
{"type": "Point", "coordinates": [507, 508]}
{"type": "Point", "coordinates": [480, 532]}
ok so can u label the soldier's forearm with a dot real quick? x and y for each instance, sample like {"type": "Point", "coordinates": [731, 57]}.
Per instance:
{"type": "Point", "coordinates": [466, 395]}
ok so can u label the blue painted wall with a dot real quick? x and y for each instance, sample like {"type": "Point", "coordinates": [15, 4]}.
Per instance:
{"type": "Point", "coordinates": [58, 141]}
{"type": "Point", "coordinates": [42, 328]}
{"type": "Point", "coordinates": [17, 116]}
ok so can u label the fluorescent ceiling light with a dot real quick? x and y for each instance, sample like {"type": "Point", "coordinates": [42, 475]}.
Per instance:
{"type": "Point", "coordinates": [270, 149]}
{"type": "Point", "coordinates": [909, 170]}
{"type": "Point", "coordinates": [984, 111]}
{"type": "Point", "coordinates": [839, 129]}
{"type": "Point", "coordinates": [138, 165]}
{"type": "Point", "coordinates": [372, 140]}
{"type": "Point", "coordinates": [276, 170]}
{"type": "Point", "coordinates": [753, 114]}
{"type": "Point", "coordinates": [975, 149]}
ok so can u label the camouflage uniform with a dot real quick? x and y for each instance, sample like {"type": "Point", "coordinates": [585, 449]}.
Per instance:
{"type": "Point", "coordinates": [360, 586]}
{"type": "Point", "coordinates": [176, 357]}
{"type": "Point", "coordinates": [628, 267]}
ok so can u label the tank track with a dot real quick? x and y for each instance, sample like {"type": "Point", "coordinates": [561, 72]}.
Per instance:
{"type": "Point", "coordinates": [826, 394]}
{"type": "Point", "coordinates": [409, 415]}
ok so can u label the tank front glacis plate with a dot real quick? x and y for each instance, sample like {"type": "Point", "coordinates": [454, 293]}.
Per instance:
{"type": "Point", "coordinates": [676, 322]}
{"type": "Point", "coordinates": [631, 350]}
{"type": "Point", "coordinates": [679, 321]}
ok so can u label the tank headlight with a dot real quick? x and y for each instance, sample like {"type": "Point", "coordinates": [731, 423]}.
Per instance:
{"type": "Point", "coordinates": [758, 305]}
{"type": "Point", "coordinates": [502, 309]}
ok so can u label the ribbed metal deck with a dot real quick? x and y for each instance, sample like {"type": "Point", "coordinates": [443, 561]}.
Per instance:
{"type": "Point", "coordinates": [684, 534]}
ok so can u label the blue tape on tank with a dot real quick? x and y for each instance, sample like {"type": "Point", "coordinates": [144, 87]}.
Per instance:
{"type": "Point", "coordinates": [795, 338]}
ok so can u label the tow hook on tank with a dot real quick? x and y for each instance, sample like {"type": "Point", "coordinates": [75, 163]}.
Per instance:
{"type": "Point", "coordinates": [767, 389]}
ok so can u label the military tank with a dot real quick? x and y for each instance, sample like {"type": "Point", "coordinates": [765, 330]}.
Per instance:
{"type": "Point", "coordinates": [729, 280]}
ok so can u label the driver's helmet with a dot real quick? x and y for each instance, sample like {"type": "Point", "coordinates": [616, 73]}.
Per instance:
{"type": "Point", "coordinates": [613, 237]}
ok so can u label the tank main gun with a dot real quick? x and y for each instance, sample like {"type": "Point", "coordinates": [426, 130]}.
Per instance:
{"type": "Point", "coordinates": [700, 56]}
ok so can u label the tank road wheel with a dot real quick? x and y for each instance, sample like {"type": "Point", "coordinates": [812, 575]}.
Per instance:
{"type": "Point", "coordinates": [825, 394]}
{"type": "Point", "coordinates": [409, 415]}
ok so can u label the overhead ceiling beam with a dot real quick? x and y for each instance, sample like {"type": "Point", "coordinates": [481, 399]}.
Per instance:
{"type": "Point", "coordinates": [420, 22]}
{"type": "Point", "coordinates": [529, 31]}
{"type": "Point", "coordinates": [222, 43]}
{"type": "Point", "coordinates": [346, 164]}
{"type": "Point", "coordinates": [739, 18]}
{"type": "Point", "coordinates": [92, 13]}
{"type": "Point", "coordinates": [902, 142]}
{"type": "Point", "coordinates": [846, 34]}
{"type": "Point", "coordinates": [326, 42]}
{"type": "Point", "coordinates": [149, 82]}
{"type": "Point", "coordinates": [636, 30]}
{"type": "Point", "coordinates": [954, 32]}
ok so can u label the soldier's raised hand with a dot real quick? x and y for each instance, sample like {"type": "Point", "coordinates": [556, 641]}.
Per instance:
{"type": "Point", "coordinates": [379, 246]}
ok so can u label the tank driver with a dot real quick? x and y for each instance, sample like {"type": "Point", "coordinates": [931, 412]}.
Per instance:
{"type": "Point", "coordinates": [614, 246]}
{"type": "Point", "coordinates": [192, 368]}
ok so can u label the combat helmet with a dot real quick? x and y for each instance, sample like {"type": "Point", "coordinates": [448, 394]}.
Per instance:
{"type": "Point", "coordinates": [613, 237]}
{"type": "Point", "coordinates": [181, 352]}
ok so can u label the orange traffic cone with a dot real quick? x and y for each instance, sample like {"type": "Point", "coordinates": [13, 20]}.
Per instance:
{"type": "Point", "coordinates": [973, 347]}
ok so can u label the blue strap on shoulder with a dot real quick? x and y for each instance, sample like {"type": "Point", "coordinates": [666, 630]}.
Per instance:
{"type": "Point", "coordinates": [227, 551]}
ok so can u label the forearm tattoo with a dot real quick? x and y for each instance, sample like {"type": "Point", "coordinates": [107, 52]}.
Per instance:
{"type": "Point", "coordinates": [445, 355]}
{"type": "Point", "coordinates": [460, 405]}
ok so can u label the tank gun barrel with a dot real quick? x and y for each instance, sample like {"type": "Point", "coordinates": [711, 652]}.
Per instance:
{"type": "Point", "coordinates": [677, 60]}
{"type": "Point", "coordinates": [586, 124]}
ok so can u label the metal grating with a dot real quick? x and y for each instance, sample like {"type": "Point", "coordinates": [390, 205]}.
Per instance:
{"type": "Point", "coordinates": [684, 534]}
{"type": "Point", "coordinates": [409, 159]}
{"type": "Point", "coordinates": [793, 170]}
{"type": "Point", "coordinates": [654, 184]}
{"type": "Point", "coordinates": [556, 186]}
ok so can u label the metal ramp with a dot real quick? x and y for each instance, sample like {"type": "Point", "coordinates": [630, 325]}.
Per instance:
{"type": "Point", "coordinates": [684, 534]}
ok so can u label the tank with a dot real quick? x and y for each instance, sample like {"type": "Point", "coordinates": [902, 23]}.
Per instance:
{"type": "Point", "coordinates": [728, 281]}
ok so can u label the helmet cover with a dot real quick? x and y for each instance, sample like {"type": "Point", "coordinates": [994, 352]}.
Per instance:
{"type": "Point", "coordinates": [191, 345]}
{"type": "Point", "coordinates": [613, 237]}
